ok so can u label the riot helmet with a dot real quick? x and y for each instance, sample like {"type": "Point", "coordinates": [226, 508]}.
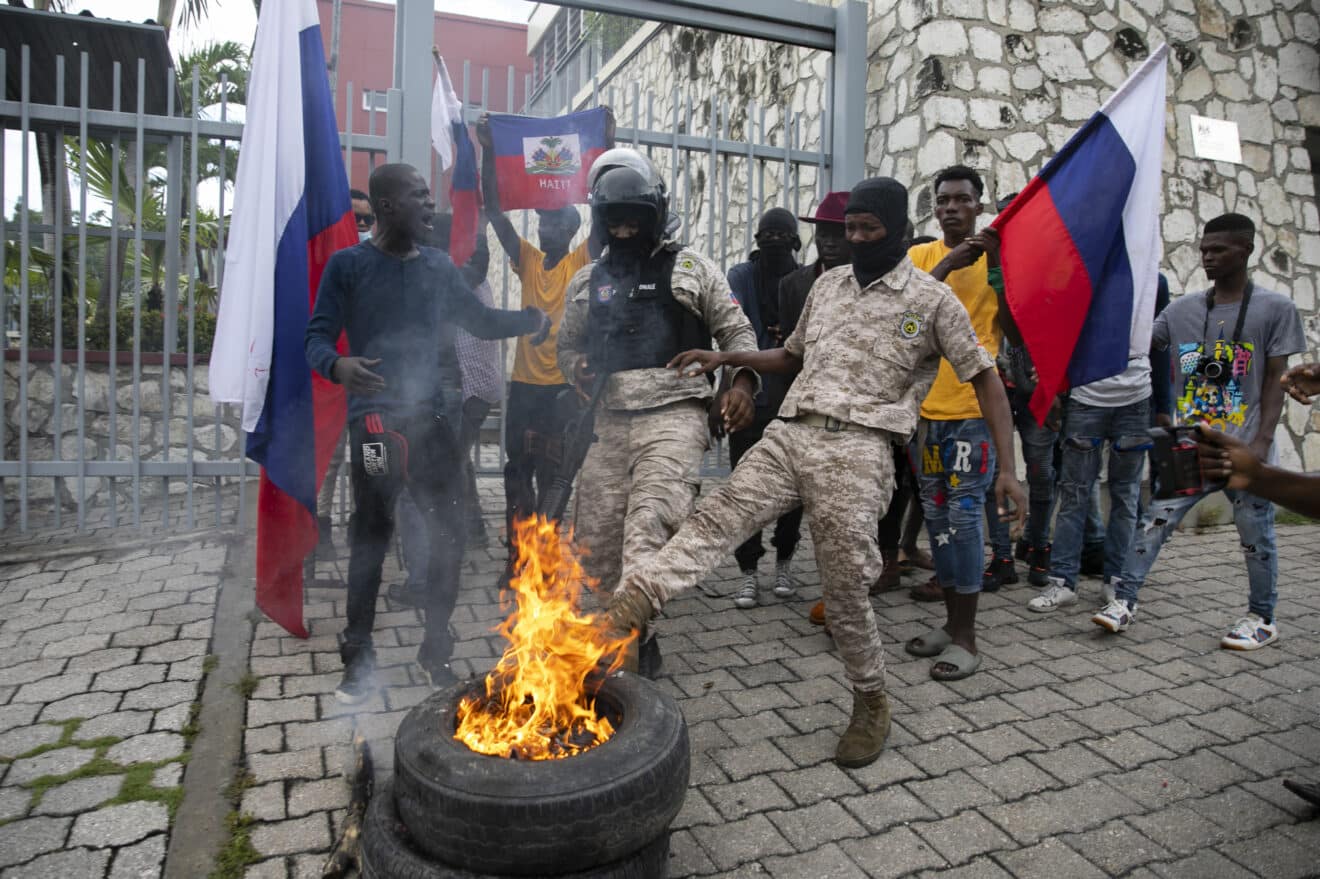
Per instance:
{"type": "Point", "coordinates": [624, 193]}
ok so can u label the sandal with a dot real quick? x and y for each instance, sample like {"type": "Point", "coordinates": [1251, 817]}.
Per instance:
{"type": "Point", "coordinates": [930, 644]}
{"type": "Point", "coordinates": [964, 664]}
{"type": "Point", "coordinates": [928, 591]}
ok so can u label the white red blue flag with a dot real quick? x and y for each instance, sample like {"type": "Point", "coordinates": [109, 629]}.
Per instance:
{"type": "Point", "coordinates": [291, 212]}
{"type": "Point", "coordinates": [1080, 246]}
{"type": "Point", "coordinates": [543, 163]}
{"type": "Point", "coordinates": [451, 141]}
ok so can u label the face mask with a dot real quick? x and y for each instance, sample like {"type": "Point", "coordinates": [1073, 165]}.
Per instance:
{"type": "Point", "coordinates": [875, 259]}
{"type": "Point", "coordinates": [628, 248]}
{"type": "Point", "coordinates": [364, 236]}
{"type": "Point", "coordinates": [778, 258]}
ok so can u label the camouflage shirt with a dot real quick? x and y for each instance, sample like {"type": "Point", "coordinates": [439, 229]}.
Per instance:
{"type": "Point", "coordinates": [869, 356]}
{"type": "Point", "coordinates": [700, 287]}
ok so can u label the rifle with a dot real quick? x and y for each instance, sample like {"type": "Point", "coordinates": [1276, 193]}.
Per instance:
{"type": "Point", "coordinates": [578, 433]}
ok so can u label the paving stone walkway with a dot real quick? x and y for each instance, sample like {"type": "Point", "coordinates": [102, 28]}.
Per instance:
{"type": "Point", "coordinates": [102, 655]}
{"type": "Point", "coordinates": [1071, 753]}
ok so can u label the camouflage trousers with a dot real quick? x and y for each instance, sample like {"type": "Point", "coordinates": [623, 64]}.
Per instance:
{"type": "Point", "coordinates": [843, 480]}
{"type": "Point", "coordinates": [637, 485]}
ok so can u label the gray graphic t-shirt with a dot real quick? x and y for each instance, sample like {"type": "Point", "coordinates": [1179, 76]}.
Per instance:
{"type": "Point", "coordinates": [1272, 328]}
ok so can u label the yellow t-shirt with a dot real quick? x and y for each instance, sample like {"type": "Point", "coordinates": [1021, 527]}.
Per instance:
{"type": "Point", "coordinates": [950, 399]}
{"type": "Point", "coordinates": [544, 288]}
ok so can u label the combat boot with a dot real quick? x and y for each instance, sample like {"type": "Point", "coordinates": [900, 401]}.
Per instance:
{"type": "Point", "coordinates": [626, 616]}
{"type": "Point", "coordinates": [865, 736]}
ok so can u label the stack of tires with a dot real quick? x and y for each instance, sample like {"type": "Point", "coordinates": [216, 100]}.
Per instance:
{"type": "Point", "coordinates": [451, 813]}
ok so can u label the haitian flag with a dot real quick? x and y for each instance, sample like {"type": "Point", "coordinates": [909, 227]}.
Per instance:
{"type": "Point", "coordinates": [450, 140]}
{"type": "Point", "coordinates": [291, 212]}
{"type": "Point", "coordinates": [1080, 246]}
{"type": "Point", "coordinates": [543, 163]}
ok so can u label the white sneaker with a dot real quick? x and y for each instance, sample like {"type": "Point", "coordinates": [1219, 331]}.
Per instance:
{"type": "Point", "coordinates": [785, 585]}
{"type": "Point", "coordinates": [1115, 616]}
{"type": "Point", "coordinates": [746, 597]}
{"type": "Point", "coordinates": [1250, 633]}
{"type": "Point", "coordinates": [1055, 596]}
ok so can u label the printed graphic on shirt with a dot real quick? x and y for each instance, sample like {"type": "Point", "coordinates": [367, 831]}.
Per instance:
{"type": "Point", "coordinates": [1221, 403]}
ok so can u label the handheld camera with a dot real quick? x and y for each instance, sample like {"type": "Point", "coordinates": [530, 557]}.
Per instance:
{"type": "Point", "coordinates": [1176, 463]}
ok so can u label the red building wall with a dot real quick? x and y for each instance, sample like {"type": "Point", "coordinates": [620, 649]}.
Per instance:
{"type": "Point", "coordinates": [366, 59]}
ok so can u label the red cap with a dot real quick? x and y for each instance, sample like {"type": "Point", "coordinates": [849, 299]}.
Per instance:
{"type": "Point", "coordinates": [830, 209]}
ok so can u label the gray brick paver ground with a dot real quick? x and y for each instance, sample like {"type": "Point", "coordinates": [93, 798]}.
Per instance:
{"type": "Point", "coordinates": [1161, 752]}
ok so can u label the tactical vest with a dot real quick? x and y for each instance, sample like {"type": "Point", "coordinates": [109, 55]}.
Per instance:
{"type": "Point", "coordinates": [634, 321]}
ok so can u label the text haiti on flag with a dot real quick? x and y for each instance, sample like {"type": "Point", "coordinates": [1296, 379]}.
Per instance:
{"type": "Point", "coordinates": [291, 212]}
{"type": "Point", "coordinates": [1080, 246]}
{"type": "Point", "coordinates": [543, 163]}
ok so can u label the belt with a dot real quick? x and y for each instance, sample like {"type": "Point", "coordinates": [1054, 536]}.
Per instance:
{"type": "Point", "coordinates": [831, 424]}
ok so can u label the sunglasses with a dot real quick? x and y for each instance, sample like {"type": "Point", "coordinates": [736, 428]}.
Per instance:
{"type": "Point", "coordinates": [367, 220]}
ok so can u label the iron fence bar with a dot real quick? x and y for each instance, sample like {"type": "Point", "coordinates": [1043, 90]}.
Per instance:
{"type": "Point", "coordinates": [797, 168]}
{"type": "Point", "coordinates": [150, 469]}
{"type": "Point", "coordinates": [57, 288]}
{"type": "Point", "coordinates": [217, 410]}
{"type": "Point", "coordinates": [25, 289]}
{"type": "Point", "coordinates": [751, 182]}
{"type": "Point", "coordinates": [636, 111]}
{"type": "Point", "coordinates": [99, 121]}
{"type": "Point", "coordinates": [702, 142]}
{"type": "Point", "coordinates": [139, 181]}
{"type": "Point", "coordinates": [673, 147]}
{"type": "Point", "coordinates": [81, 378]}
{"type": "Point", "coordinates": [189, 520]}
{"type": "Point", "coordinates": [169, 320]}
{"type": "Point", "coordinates": [347, 140]}
{"type": "Point", "coordinates": [112, 319]}
{"type": "Point", "coordinates": [724, 192]}
{"type": "Point", "coordinates": [713, 171]}
{"type": "Point", "coordinates": [780, 21]}
{"type": "Point", "coordinates": [95, 232]}
{"type": "Point", "coordinates": [687, 167]}
{"type": "Point", "coordinates": [760, 163]}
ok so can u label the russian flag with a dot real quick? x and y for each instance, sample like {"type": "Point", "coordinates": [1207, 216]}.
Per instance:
{"type": "Point", "coordinates": [291, 212]}
{"type": "Point", "coordinates": [1080, 246]}
{"type": "Point", "coordinates": [451, 141]}
{"type": "Point", "coordinates": [543, 163]}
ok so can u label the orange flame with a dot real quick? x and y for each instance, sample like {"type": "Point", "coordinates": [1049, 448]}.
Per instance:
{"type": "Point", "coordinates": [536, 705]}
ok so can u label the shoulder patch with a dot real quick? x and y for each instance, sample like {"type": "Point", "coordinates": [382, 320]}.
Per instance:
{"type": "Point", "coordinates": [686, 263]}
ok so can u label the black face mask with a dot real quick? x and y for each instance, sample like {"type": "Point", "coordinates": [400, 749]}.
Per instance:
{"type": "Point", "coordinates": [875, 259]}
{"type": "Point", "coordinates": [632, 249]}
{"type": "Point", "coordinates": [886, 199]}
{"type": "Point", "coordinates": [778, 259]}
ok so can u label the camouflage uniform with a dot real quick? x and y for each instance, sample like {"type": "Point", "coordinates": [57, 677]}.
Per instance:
{"type": "Point", "coordinates": [640, 479]}
{"type": "Point", "coordinates": [868, 358]}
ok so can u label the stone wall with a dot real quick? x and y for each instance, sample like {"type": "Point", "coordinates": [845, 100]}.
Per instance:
{"type": "Point", "coordinates": [97, 441]}
{"type": "Point", "coordinates": [1002, 84]}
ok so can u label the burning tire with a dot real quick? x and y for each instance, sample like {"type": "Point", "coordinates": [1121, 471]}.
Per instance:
{"type": "Point", "coordinates": [390, 852]}
{"type": "Point", "coordinates": [537, 817]}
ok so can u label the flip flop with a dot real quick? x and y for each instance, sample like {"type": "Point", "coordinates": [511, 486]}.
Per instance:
{"type": "Point", "coordinates": [964, 664]}
{"type": "Point", "coordinates": [930, 644]}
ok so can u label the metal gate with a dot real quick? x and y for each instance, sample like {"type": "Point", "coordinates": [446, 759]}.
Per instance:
{"type": "Point", "coordinates": [105, 419]}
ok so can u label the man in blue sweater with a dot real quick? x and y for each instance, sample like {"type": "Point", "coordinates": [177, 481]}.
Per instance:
{"type": "Point", "coordinates": [400, 304]}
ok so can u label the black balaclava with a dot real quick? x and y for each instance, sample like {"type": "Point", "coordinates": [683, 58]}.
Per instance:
{"type": "Point", "coordinates": [778, 259]}
{"type": "Point", "coordinates": [628, 251]}
{"type": "Point", "coordinates": [887, 199]}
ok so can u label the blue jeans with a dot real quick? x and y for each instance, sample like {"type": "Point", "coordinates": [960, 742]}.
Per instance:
{"type": "Point", "coordinates": [1086, 429]}
{"type": "Point", "coordinates": [1038, 451]}
{"type": "Point", "coordinates": [955, 464]}
{"type": "Point", "coordinates": [1254, 518]}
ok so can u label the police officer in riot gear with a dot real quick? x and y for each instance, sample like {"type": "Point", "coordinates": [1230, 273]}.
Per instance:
{"type": "Point", "coordinates": [647, 299]}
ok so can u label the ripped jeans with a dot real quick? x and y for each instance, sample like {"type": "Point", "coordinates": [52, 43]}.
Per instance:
{"type": "Point", "coordinates": [1086, 429]}
{"type": "Point", "coordinates": [1254, 518]}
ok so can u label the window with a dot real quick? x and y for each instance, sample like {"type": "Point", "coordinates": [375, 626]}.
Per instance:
{"type": "Point", "coordinates": [376, 99]}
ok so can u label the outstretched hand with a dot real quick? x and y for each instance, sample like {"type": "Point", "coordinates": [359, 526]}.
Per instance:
{"type": "Point", "coordinates": [1302, 383]}
{"type": "Point", "coordinates": [695, 362]}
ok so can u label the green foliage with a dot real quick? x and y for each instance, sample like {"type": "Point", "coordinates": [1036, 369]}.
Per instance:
{"type": "Point", "coordinates": [247, 685]}
{"type": "Point", "coordinates": [238, 852]}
